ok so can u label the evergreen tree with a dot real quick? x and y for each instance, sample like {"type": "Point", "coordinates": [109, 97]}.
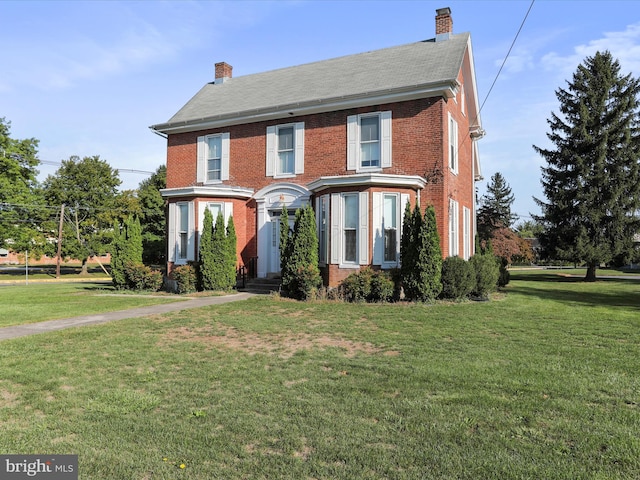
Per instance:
{"type": "Point", "coordinates": [232, 255]}
{"type": "Point", "coordinates": [592, 178]}
{"type": "Point", "coordinates": [495, 207]}
{"type": "Point", "coordinates": [300, 272]}
{"type": "Point", "coordinates": [407, 247]}
{"type": "Point", "coordinates": [207, 262]}
{"type": "Point", "coordinates": [219, 249]}
{"type": "Point", "coordinates": [421, 255]}
{"type": "Point", "coordinates": [284, 240]}
{"type": "Point", "coordinates": [126, 250]}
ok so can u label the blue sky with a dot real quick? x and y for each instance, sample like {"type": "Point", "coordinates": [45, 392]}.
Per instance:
{"type": "Point", "coordinates": [89, 77]}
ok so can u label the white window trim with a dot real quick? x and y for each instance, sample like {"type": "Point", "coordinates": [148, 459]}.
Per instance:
{"type": "Point", "coordinates": [452, 147]}
{"type": "Point", "coordinates": [337, 231]}
{"type": "Point", "coordinates": [272, 150]}
{"type": "Point", "coordinates": [174, 234]}
{"type": "Point", "coordinates": [377, 230]}
{"type": "Point", "coordinates": [203, 146]}
{"type": "Point", "coordinates": [454, 249]}
{"type": "Point", "coordinates": [353, 141]}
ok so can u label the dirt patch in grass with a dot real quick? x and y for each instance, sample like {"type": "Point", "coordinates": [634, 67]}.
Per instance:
{"type": "Point", "coordinates": [282, 345]}
{"type": "Point", "coordinates": [7, 399]}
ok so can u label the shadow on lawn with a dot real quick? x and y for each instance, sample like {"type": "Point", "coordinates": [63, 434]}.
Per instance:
{"type": "Point", "coordinates": [613, 292]}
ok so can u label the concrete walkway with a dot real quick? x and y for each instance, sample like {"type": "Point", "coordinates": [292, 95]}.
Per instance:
{"type": "Point", "coordinates": [52, 325]}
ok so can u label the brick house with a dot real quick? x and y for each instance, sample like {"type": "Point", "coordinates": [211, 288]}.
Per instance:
{"type": "Point", "coordinates": [356, 137]}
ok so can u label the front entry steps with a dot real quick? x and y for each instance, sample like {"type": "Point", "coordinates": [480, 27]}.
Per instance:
{"type": "Point", "coordinates": [262, 286]}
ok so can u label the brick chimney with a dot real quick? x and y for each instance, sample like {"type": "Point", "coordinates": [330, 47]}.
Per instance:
{"type": "Point", "coordinates": [223, 72]}
{"type": "Point", "coordinates": [444, 24]}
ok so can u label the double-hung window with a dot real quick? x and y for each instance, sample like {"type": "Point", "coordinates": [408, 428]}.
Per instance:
{"type": "Point", "coordinates": [350, 228]}
{"type": "Point", "coordinates": [285, 164]}
{"type": "Point", "coordinates": [387, 211]}
{"type": "Point", "coordinates": [453, 145]}
{"type": "Point", "coordinates": [213, 158]}
{"type": "Point", "coordinates": [183, 231]}
{"type": "Point", "coordinates": [453, 228]}
{"type": "Point", "coordinates": [369, 141]}
{"type": "Point", "coordinates": [390, 227]}
{"type": "Point", "coordinates": [285, 150]}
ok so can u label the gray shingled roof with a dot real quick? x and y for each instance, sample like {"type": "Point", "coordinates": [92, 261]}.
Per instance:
{"type": "Point", "coordinates": [414, 65]}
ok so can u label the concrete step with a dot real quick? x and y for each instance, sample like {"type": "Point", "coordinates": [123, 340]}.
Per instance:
{"type": "Point", "coordinates": [262, 286]}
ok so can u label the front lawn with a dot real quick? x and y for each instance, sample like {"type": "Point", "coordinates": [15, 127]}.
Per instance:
{"type": "Point", "coordinates": [38, 302]}
{"type": "Point", "coordinates": [541, 382]}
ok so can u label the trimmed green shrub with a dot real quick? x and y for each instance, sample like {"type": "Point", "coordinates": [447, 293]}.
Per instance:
{"type": "Point", "coordinates": [367, 285]}
{"type": "Point", "coordinates": [356, 287]}
{"type": "Point", "coordinates": [486, 270]}
{"type": "Point", "coordinates": [185, 278]}
{"type": "Point", "coordinates": [142, 277]}
{"type": "Point", "coordinates": [382, 288]}
{"type": "Point", "coordinates": [458, 278]}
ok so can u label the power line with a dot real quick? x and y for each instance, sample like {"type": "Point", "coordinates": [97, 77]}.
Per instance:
{"type": "Point", "coordinates": [507, 55]}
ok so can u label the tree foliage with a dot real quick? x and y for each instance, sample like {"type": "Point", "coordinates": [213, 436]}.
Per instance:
{"type": "Point", "coordinates": [420, 254]}
{"type": "Point", "coordinates": [88, 188]}
{"type": "Point", "coordinates": [495, 207]}
{"type": "Point", "coordinates": [299, 259]}
{"type": "Point", "coordinates": [152, 216]}
{"type": "Point", "coordinates": [21, 204]}
{"type": "Point", "coordinates": [592, 178]}
{"type": "Point", "coordinates": [126, 252]}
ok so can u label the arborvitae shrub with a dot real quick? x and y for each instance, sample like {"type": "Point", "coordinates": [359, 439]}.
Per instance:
{"type": "Point", "coordinates": [206, 270]}
{"type": "Point", "coordinates": [487, 271]}
{"type": "Point", "coordinates": [126, 248]}
{"type": "Point", "coordinates": [458, 278]}
{"type": "Point", "coordinates": [231, 256]}
{"type": "Point", "coordinates": [185, 278]}
{"type": "Point", "coordinates": [299, 259]}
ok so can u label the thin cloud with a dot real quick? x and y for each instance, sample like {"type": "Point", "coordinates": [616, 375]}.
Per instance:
{"type": "Point", "coordinates": [624, 45]}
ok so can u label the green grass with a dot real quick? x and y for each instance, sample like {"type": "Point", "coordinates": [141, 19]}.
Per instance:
{"type": "Point", "coordinates": [38, 302]}
{"type": "Point", "coordinates": [541, 382]}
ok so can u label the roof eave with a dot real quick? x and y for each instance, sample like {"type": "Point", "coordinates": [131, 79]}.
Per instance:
{"type": "Point", "coordinates": [445, 89]}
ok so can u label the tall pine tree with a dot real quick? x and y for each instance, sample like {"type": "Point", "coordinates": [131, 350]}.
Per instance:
{"type": "Point", "coordinates": [495, 207]}
{"type": "Point", "coordinates": [592, 178]}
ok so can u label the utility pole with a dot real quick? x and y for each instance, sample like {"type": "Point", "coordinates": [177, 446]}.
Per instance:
{"type": "Point", "coordinates": [60, 241]}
